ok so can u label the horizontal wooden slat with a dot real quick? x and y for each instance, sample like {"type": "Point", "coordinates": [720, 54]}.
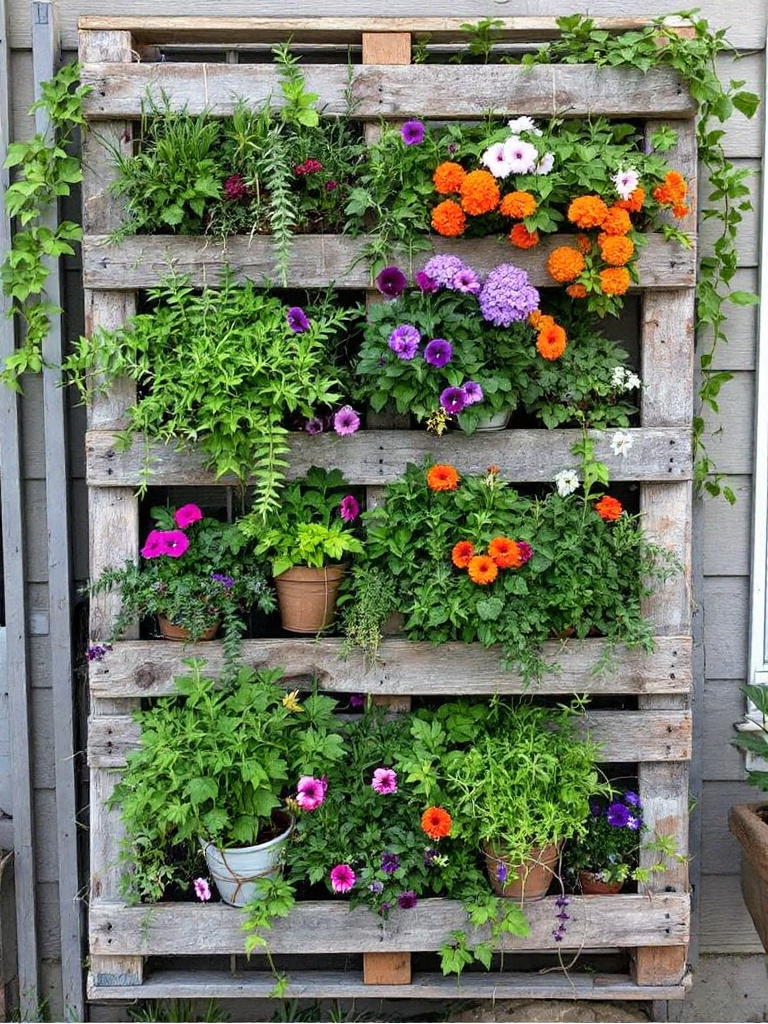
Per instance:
{"type": "Point", "coordinates": [372, 457]}
{"type": "Point", "coordinates": [141, 261]}
{"type": "Point", "coordinates": [147, 668]}
{"type": "Point", "coordinates": [423, 90]}
{"type": "Point", "coordinates": [348, 984]}
{"type": "Point", "coordinates": [331, 927]}
{"type": "Point", "coordinates": [626, 736]}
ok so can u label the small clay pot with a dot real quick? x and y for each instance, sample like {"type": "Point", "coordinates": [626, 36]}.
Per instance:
{"type": "Point", "coordinates": [591, 884]}
{"type": "Point", "coordinates": [534, 875]}
{"type": "Point", "coordinates": [178, 633]}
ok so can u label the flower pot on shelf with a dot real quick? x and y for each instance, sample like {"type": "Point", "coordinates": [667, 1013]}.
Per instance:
{"type": "Point", "coordinates": [498, 421]}
{"type": "Point", "coordinates": [237, 870]}
{"type": "Point", "coordinates": [749, 823]}
{"type": "Point", "coordinates": [591, 884]}
{"type": "Point", "coordinates": [307, 597]}
{"type": "Point", "coordinates": [170, 631]}
{"type": "Point", "coordinates": [529, 880]}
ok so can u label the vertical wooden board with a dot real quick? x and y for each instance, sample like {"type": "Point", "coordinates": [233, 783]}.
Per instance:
{"type": "Point", "coordinates": [667, 357]}
{"type": "Point", "coordinates": [659, 965]}
{"type": "Point", "coordinates": [387, 968]}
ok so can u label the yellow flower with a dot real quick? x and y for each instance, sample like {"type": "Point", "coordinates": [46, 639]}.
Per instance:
{"type": "Point", "coordinates": [290, 701]}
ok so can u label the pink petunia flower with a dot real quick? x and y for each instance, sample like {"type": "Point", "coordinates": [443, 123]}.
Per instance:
{"type": "Point", "coordinates": [346, 421]}
{"type": "Point", "coordinates": [349, 509]}
{"type": "Point", "coordinates": [153, 545]}
{"type": "Point", "coordinates": [342, 878]}
{"type": "Point", "coordinates": [187, 515]}
{"type": "Point", "coordinates": [384, 781]}
{"type": "Point", "coordinates": [174, 543]}
{"type": "Point", "coordinates": [310, 792]}
{"type": "Point", "coordinates": [202, 889]}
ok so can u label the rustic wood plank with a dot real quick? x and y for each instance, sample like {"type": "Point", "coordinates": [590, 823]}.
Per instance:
{"type": "Point", "coordinates": [180, 984]}
{"type": "Point", "coordinates": [755, 892]}
{"type": "Point", "coordinates": [140, 261]}
{"type": "Point", "coordinates": [386, 969]}
{"type": "Point", "coordinates": [381, 456]}
{"type": "Point", "coordinates": [146, 668]}
{"type": "Point", "coordinates": [625, 736]}
{"type": "Point", "coordinates": [331, 927]}
{"type": "Point", "coordinates": [653, 965]}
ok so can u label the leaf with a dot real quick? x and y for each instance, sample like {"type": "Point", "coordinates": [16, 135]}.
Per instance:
{"type": "Point", "coordinates": [746, 102]}
{"type": "Point", "coordinates": [490, 609]}
{"type": "Point", "coordinates": [740, 298]}
{"type": "Point", "coordinates": [201, 789]}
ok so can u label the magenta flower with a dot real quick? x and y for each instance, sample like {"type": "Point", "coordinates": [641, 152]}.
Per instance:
{"type": "Point", "coordinates": [384, 781]}
{"type": "Point", "coordinates": [425, 282]}
{"type": "Point", "coordinates": [404, 341]}
{"type": "Point", "coordinates": [407, 900]}
{"type": "Point", "coordinates": [412, 133]}
{"type": "Point", "coordinates": [356, 700]}
{"type": "Point", "coordinates": [453, 400]}
{"type": "Point", "coordinates": [346, 421]}
{"type": "Point", "coordinates": [467, 282]}
{"type": "Point", "coordinates": [438, 352]}
{"type": "Point", "coordinates": [310, 792]}
{"type": "Point", "coordinates": [472, 392]}
{"type": "Point", "coordinates": [525, 551]}
{"type": "Point", "coordinates": [314, 425]}
{"type": "Point", "coordinates": [202, 889]}
{"type": "Point", "coordinates": [153, 545]}
{"type": "Point", "coordinates": [235, 187]}
{"type": "Point", "coordinates": [349, 509]}
{"type": "Point", "coordinates": [391, 281]}
{"type": "Point", "coordinates": [187, 515]}
{"type": "Point", "coordinates": [175, 543]}
{"type": "Point", "coordinates": [297, 320]}
{"type": "Point", "coordinates": [310, 166]}
{"type": "Point", "coordinates": [342, 878]}
{"type": "Point", "coordinates": [331, 186]}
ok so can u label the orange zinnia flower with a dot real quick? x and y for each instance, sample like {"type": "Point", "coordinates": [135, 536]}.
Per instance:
{"type": "Point", "coordinates": [576, 291]}
{"type": "Point", "coordinates": [635, 202]}
{"type": "Point", "coordinates": [505, 553]}
{"type": "Point", "coordinates": [539, 320]}
{"type": "Point", "coordinates": [616, 249]}
{"type": "Point", "coordinates": [448, 219]}
{"type": "Point", "coordinates": [609, 508]}
{"type": "Point", "coordinates": [462, 553]}
{"type": "Point", "coordinates": [436, 822]}
{"type": "Point", "coordinates": [448, 177]}
{"type": "Point", "coordinates": [479, 193]}
{"type": "Point", "coordinates": [587, 211]}
{"type": "Point", "coordinates": [482, 569]}
{"type": "Point", "coordinates": [616, 221]}
{"type": "Point", "coordinates": [550, 343]}
{"type": "Point", "coordinates": [565, 264]}
{"type": "Point", "coordinates": [442, 478]}
{"type": "Point", "coordinates": [614, 280]}
{"type": "Point", "coordinates": [517, 205]}
{"type": "Point", "coordinates": [521, 237]}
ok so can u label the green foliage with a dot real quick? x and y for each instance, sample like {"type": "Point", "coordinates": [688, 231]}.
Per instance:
{"type": "Point", "coordinates": [375, 597]}
{"type": "Point", "coordinates": [45, 172]}
{"type": "Point", "coordinates": [173, 1010]}
{"type": "Point", "coordinates": [756, 741]}
{"type": "Point", "coordinates": [221, 368]}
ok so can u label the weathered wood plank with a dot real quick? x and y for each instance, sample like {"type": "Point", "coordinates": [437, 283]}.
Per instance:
{"type": "Point", "coordinates": [180, 984]}
{"type": "Point", "coordinates": [331, 927]}
{"type": "Point", "coordinates": [625, 736]}
{"type": "Point", "coordinates": [653, 965]}
{"type": "Point", "coordinates": [389, 91]}
{"type": "Point", "coordinates": [381, 456]}
{"type": "Point", "coordinates": [147, 668]}
{"type": "Point", "coordinates": [140, 261]}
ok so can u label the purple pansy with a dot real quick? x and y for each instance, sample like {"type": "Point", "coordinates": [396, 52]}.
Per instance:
{"type": "Point", "coordinates": [297, 320]}
{"type": "Point", "coordinates": [412, 133]}
{"type": "Point", "coordinates": [453, 400]}
{"type": "Point", "coordinates": [391, 281]}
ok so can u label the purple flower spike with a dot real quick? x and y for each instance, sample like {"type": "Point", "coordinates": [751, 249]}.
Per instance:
{"type": "Point", "coordinates": [438, 352]}
{"type": "Point", "coordinates": [453, 400]}
{"type": "Point", "coordinates": [346, 421]}
{"type": "Point", "coordinates": [412, 133]}
{"type": "Point", "coordinates": [297, 320]}
{"type": "Point", "coordinates": [472, 392]}
{"type": "Point", "coordinates": [404, 341]}
{"type": "Point", "coordinates": [391, 282]}
{"type": "Point", "coordinates": [425, 282]}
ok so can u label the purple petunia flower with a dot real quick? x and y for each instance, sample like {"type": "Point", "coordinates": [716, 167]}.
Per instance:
{"type": "Point", "coordinates": [466, 281]}
{"type": "Point", "coordinates": [226, 581]}
{"type": "Point", "coordinates": [346, 421]}
{"type": "Point", "coordinates": [633, 821]}
{"type": "Point", "coordinates": [453, 400]}
{"type": "Point", "coordinates": [391, 281]}
{"type": "Point", "coordinates": [443, 269]}
{"type": "Point", "coordinates": [314, 425]}
{"type": "Point", "coordinates": [202, 889]}
{"type": "Point", "coordinates": [404, 341]}
{"type": "Point", "coordinates": [507, 296]}
{"type": "Point", "coordinates": [631, 798]}
{"type": "Point", "coordinates": [407, 899]}
{"type": "Point", "coordinates": [472, 392]}
{"type": "Point", "coordinates": [376, 887]}
{"type": "Point", "coordinates": [438, 352]}
{"type": "Point", "coordinates": [617, 815]}
{"type": "Point", "coordinates": [425, 282]}
{"type": "Point", "coordinates": [384, 781]}
{"type": "Point", "coordinates": [390, 862]}
{"type": "Point", "coordinates": [412, 133]}
{"type": "Point", "coordinates": [356, 700]}
{"type": "Point", "coordinates": [297, 320]}
{"type": "Point", "coordinates": [349, 509]}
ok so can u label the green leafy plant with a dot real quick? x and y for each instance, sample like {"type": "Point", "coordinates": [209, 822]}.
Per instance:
{"type": "Point", "coordinates": [173, 1010]}
{"type": "Point", "coordinates": [191, 574]}
{"type": "Point", "coordinates": [225, 368]}
{"type": "Point", "coordinates": [755, 741]}
{"type": "Point", "coordinates": [375, 595]}
{"type": "Point", "coordinates": [45, 171]}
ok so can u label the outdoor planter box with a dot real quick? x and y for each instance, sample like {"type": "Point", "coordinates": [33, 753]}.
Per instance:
{"type": "Point", "coordinates": [751, 829]}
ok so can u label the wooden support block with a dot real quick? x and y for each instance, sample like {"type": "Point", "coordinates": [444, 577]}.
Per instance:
{"type": "Point", "coordinates": [116, 970]}
{"type": "Point", "coordinates": [386, 968]}
{"type": "Point", "coordinates": [386, 47]}
{"type": "Point", "coordinates": [394, 703]}
{"type": "Point", "coordinates": [659, 965]}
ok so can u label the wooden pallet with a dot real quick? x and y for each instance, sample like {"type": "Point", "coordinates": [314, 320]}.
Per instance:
{"type": "Point", "coordinates": [653, 926]}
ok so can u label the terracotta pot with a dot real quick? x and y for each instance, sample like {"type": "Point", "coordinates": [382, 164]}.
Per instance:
{"type": "Point", "coordinates": [527, 881]}
{"type": "Point", "coordinates": [179, 633]}
{"type": "Point", "coordinates": [591, 884]}
{"type": "Point", "coordinates": [749, 823]}
{"type": "Point", "coordinates": [307, 597]}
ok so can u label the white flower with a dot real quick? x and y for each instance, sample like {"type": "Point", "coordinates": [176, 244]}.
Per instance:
{"type": "Point", "coordinates": [495, 159]}
{"type": "Point", "coordinates": [618, 377]}
{"type": "Point", "coordinates": [626, 182]}
{"type": "Point", "coordinates": [631, 381]}
{"type": "Point", "coordinates": [545, 165]}
{"type": "Point", "coordinates": [621, 442]}
{"type": "Point", "coordinates": [524, 124]}
{"type": "Point", "coordinates": [521, 156]}
{"type": "Point", "coordinates": [567, 480]}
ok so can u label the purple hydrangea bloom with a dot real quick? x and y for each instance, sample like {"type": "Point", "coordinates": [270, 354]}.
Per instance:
{"type": "Point", "coordinates": [507, 297]}
{"type": "Point", "coordinates": [407, 900]}
{"type": "Point", "coordinates": [297, 320]}
{"type": "Point", "coordinates": [425, 282]}
{"type": "Point", "coordinates": [390, 862]}
{"type": "Point", "coordinates": [443, 269]}
{"type": "Point", "coordinates": [466, 281]}
{"type": "Point", "coordinates": [472, 392]}
{"type": "Point", "coordinates": [314, 425]}
{"type": "Point", "coordinates": [412, 133]}
{"type": "Point", "coordinates": [453, 400]}
{"type": "Point", "coordinates": [438, 352]}
{"type": "Point", "coordinates": [617, 815]}
{"type": "Point", "coordinates": [404, 341]}
{"type": "Point", "coordinates": [346, 421]}
{"type": "Point", "coordinates": [391, 281]}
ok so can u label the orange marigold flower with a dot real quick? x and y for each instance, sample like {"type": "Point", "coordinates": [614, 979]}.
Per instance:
{"type": "Point", "coordinates": [616, 221]}
{"type": "Point", "coordinates": [442, 477]}
{"type": "Point", "coordinates": [576, 291]}
{"type": "Point", "coordinates": [635, 202]}
{"type": "Point", "coordinates": [609, 508]}
{"type": "Point", "coordinates": [614, 280]}
{"type": "Point", "coordinates": [462, 553]}
{"type": "Point", "coordinates": [483, 570]}
{"type": "Point", "coordinates": [550, 343]}
{"type": "Point", "coordinates": [479, 193]}
{"type": "Point", "coordinates": [616, 249]}
{"type": "Point", "coordinates": [522, 237]}
{"type": "Point", "coordinates": [583, 243]}
{"type": "Point", "coordinates": [680, 211]}
{"type": "Point", "coordinates": [436, 822]}
{"type": "Point", "coordinates": [517, 205]}
{"type": "Point", "coordinates": [448, 219]}
{"type": "Point", "coordinates": [539, 320]}
{"type": "Point", "coordinates": [505, 553]}
{"type": "Point", "coordinates": [587, 211]}
{"type": "Point", "coordinates": [673, 191]}
{"type": "Point", "coordinates": [448, 177]}
{"type": "Point", "coordinates": [565, 264]}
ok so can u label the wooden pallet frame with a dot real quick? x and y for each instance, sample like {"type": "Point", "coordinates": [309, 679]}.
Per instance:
{"type": "Point", "coordinates": [653, 925]}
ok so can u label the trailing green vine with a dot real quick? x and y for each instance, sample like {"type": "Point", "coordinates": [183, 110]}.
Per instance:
{"type": "Point", "coordinates": [46, 172]}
